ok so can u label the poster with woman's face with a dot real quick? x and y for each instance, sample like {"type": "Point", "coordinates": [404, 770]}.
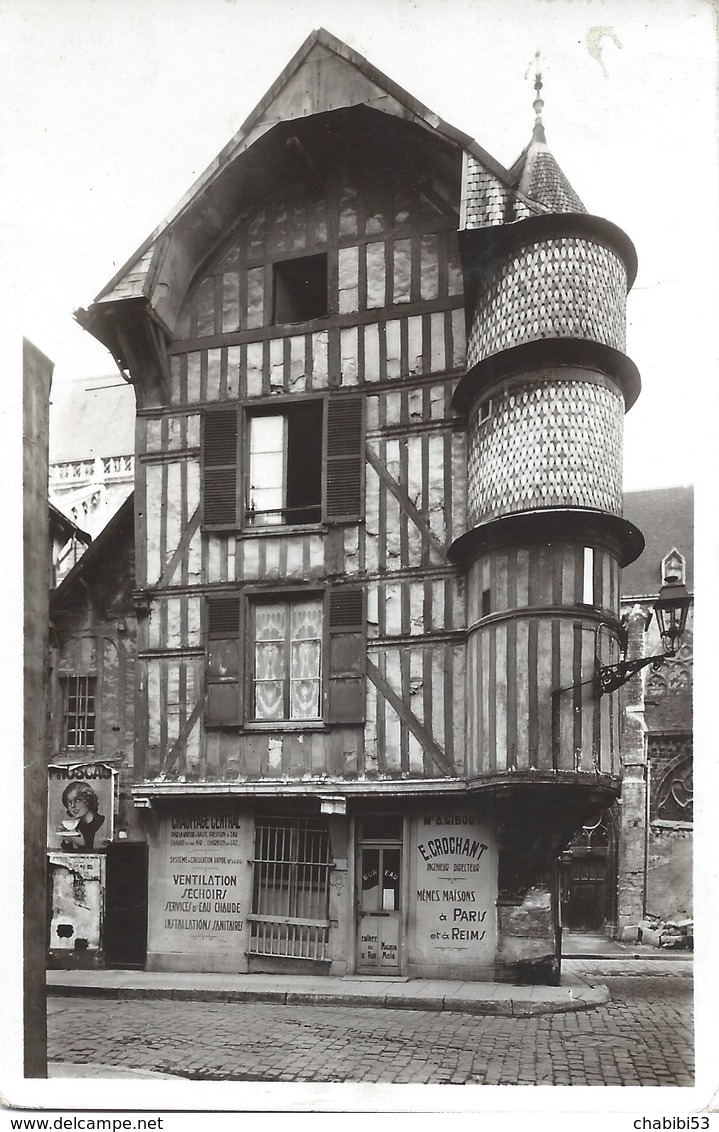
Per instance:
{"type": "Point", "coordinates": [80, 806]}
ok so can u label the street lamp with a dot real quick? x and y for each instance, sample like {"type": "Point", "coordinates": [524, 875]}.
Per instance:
{"type": "Point", "coordinates": [671, 608]}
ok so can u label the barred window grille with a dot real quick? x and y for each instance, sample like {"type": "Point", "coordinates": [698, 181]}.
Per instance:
{"type": "Point", "coordinates": [290, 899]}
{"type": "Point", "coordinates": [80, 711]}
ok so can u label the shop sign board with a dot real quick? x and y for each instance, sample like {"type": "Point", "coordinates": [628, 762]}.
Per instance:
{"type": "Point", "coordinates": [201, 883]}
{"type": "Point", "coordinates": [80, 806]}
{"type": "Point", "coordinates": [453, 888]}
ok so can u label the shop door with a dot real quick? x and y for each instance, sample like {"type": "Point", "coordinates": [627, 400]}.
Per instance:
{"type": "Point", "coordinates": [378, 909]}
{"type": "Point", "coordinates": [125, 933]}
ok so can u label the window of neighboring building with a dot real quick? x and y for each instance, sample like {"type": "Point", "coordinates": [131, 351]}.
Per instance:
{"type": "Point", "coordinates": [299, 289]}
{"type": "Point", "coordinates": [287, 660]}
{"type": "Point", "coordinates": [290, 894]}
{"type": "Point", "coordinates": [674, 567]}
{"type": "Point", "coordinates": [303, 462]}
{"type": "Point", "coordinates": [285, 466]}
{"type": "Point", "coordinates": [80, 711]}
{"type": "Point", "coordinates": [673, 795]}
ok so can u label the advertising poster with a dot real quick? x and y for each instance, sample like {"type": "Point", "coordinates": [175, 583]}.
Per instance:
{"type": "Point", "coordinates": [201, 884]}
{"type": "Point", "coordinates": [454, 877]}
{"type": "Point", "coordinates": [77, 889]}
{"type": "Point", "coordinates": [80, 806]}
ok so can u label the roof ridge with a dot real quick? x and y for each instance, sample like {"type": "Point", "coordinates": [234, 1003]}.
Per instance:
{"type": "Point", "coordinates": [229, 151]}
{"type": "Point", "coordinates": [96, 547]}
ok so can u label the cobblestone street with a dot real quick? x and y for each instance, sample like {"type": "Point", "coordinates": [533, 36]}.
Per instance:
{"type": "Point", "coordinates": [644, 1036]}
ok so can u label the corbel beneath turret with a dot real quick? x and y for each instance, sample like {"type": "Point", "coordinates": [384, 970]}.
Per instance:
{"type": "Point", "coordinates": [534, 824]}
{"type": "Point", "coordinates": [533, 827]}
{"type": "Point", "coordinates": [483, 249]}
{"type": "Point", "coordinates": [137, 340]}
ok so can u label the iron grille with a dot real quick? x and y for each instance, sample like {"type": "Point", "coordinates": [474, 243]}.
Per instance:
{"type": "Point", "coordinates": [290, 899]}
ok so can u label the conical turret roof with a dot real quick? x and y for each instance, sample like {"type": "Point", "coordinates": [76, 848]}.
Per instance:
{"type": "Point", "coordinates": [536, 173]}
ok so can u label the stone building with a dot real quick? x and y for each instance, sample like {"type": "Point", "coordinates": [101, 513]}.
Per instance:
{"type": "Point", "coordinates": [634, 860]}
{"type": "Point", "coordinates": [92, 441]}
{"type": "Point", "coordinates": [658, 882]}
{"type": "Point", "coordinates": [97, 895]}
{"type": "Point", "coordinates": [380, 388]}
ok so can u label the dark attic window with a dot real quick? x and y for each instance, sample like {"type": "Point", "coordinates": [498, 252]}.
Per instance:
{"type": "Point", "coordinates": [300, 289]}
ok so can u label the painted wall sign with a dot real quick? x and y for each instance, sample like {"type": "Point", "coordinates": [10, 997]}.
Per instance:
{"type": "Point", "coordinates": [201, 883]}
{"type": "Point", "coordinates": [80, 807]}
{"type": "Point", "coordinates": [454, 888]}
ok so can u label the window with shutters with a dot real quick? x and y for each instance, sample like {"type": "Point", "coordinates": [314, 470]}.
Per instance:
{"type": "Point", "coordinates": [224, 706]}
{"type": "Point", "coordinates": [287, 660]}
{"type": "Point", "coordinates": [303, 659]}
{"type": "Point", "coordinates": [291, 463]}
{"type": "Point", "coordinates": [284, 481]}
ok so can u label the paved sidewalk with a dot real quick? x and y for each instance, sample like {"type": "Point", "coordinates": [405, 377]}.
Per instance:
{"type": "Point", "coordinates": [642, 1036]}
{"type": "Point", "coordinates": [584, 945]}
{"type": "Point", "coordinates": [504, 999]}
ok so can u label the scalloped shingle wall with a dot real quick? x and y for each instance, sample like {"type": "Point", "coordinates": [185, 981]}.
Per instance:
{"type": "Point", "coordinates": [561, 288]}
{"type": "Point", "coordinates": [486, 201]}
{"type": "Point", "coordinates": [554, 444]}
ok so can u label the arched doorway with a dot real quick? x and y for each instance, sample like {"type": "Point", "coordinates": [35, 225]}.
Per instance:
{"type": "Point", "coordinates": [588, 876]}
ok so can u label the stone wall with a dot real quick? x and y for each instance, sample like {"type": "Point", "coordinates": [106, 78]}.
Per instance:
{"type": "Point", "coordinates": [669, 870]}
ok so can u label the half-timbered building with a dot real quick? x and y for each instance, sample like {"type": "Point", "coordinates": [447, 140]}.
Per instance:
{"type": "Point", "coordinates": [380, 387]}
{"type": "Point", "coordinates": [97, 885]}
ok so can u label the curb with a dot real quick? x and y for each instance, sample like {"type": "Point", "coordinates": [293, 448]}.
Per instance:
{"type": "Point", "coordinates": [676, 956]}
{"type": "Point", "coordinates": [590, 999]}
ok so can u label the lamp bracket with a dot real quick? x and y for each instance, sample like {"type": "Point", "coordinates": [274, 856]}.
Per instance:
{"type": "Point", "coordinates": [613, 676]}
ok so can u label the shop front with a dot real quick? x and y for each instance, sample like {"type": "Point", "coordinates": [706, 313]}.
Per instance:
{"type": "Point", "coordinates": [247, 886]}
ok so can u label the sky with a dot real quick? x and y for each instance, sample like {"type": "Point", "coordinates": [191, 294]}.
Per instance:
{"type": "Point", "coordinates": [113, 107]}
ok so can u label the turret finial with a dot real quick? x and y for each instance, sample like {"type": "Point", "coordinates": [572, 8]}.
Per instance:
{"type": "Point", "coordinates": [538, 132]}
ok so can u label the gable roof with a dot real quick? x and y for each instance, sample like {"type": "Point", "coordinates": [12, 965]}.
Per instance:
{"type": "Point", "coordinates": [63, 527]}
{"type": "Point", "coordinates": [324, 75]}
{"type": "Point", "coordinates": [665, 516]}
{"type": "Point", "coordinates": [121, 526]}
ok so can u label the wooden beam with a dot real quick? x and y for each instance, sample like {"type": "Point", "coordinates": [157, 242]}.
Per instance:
{"type": "Point", "coordinates": [410, 720]}
{"type": "Point", "coordinates": [404, 501]}
{"type": "Point", "coordinates": [182, 548]}
{"type": "Point", "coordinates": [183, 736]}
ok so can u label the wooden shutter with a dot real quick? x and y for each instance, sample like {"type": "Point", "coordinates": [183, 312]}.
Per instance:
{"type": "Point", "coordinates": [346, 662]}
{"type": "Point", "coordinates": [344, 458]}
{"type": "Point", "coordinates": [223, 661]}
{"type": "Point", "coordinates": [220, 467]}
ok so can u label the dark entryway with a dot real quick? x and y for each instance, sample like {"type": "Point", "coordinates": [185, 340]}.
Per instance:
{"type": "Point", "coordinates": [588, 872]}
{"type": "Point", "coordinates": [125, 934]}
{"type": "Point", "coordinates": [585, 905]}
